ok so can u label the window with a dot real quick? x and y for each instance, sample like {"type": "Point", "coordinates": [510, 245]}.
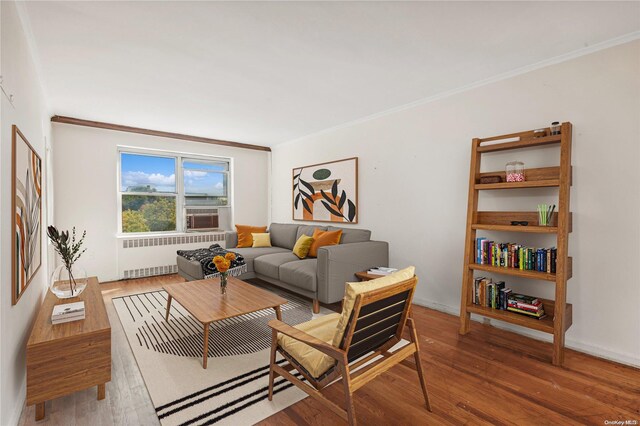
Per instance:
{"type": "Point", "coordinates": [168, 193]}
{"type": "Point", "coordinates": [205, 183]}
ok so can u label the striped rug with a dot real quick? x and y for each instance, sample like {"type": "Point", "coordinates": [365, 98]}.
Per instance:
{"type": "Point", "coordinates": [233, 389]}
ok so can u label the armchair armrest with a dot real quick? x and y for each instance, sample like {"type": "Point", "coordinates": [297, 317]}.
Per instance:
{"type": "Point", "coordinates": [294, 333]}
{"type": "Point", "coordinates": [230, 239]}
{"type": "Point", "coordinates": [338, 265]}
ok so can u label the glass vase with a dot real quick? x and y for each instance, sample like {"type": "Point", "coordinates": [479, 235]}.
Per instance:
{"type": "Point", "coordinates": [65, 285]}
{"type": "Point", "coordinates": [223, 283]}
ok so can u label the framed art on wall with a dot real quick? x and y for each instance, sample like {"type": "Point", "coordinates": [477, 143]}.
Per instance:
{"type": "Point", "coordinates": [326, 192]}
{"type": "Point", "coordinates": [26, 207]}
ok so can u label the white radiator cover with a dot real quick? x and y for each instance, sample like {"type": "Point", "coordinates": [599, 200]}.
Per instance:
{"type": "Point", "coordinates": [146, 256]}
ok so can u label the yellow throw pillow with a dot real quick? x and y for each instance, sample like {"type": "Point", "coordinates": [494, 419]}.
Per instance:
{"type": "Point", "coordinates": [352, 291]}
{"type": "Point", "coordinates": [261, 240]}
{"type": "Point", "coordinates": [301, 249]}
{"type": "Point", "coordinates": [324, 238]}
{"type": "Point", "coordinates": [244, 234]}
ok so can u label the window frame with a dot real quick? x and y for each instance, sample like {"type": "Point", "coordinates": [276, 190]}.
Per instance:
{"type": "Point", "coordinates": [180, 196]}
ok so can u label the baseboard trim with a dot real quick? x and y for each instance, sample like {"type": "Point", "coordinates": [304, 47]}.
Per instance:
{"type": "Point", "coordinates": [17, 413]}
{"type": "Point", "coordinates": [587, 348]}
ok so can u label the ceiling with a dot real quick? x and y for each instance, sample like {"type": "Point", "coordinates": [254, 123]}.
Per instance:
{"type": "Point", "coordinates": [267, 72]}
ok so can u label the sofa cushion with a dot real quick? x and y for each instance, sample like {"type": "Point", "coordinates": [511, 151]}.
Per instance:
{"type": "Point", "coordinates": [245, 239]}
{"type": "Point", "coordinates": [283, 235]}
{"type": "Point", "coordinates": [301, 249]}
{"type": "Point", "coordinates": [269, 264]}
{"type": "Point", "coordinates": [301, 273]}
{"type": "Point", "coordinates": [323, 238]}
{"type": "Point", "coordinates": [354, 289]}
{"type": "Point", "coordinates": [350, 235]}
{"type": "Point", "coordinates": [315, 362]}
{"type": "Point", "coordinates": [250, 253]}
{"type": "Point", "coordinates": [261, 240]}
{"type": "Point", "coordinates": [308, 230]}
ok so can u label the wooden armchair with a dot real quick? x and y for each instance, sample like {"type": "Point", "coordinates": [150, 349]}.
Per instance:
{"type": "Point", "coordinates": [321, 352]}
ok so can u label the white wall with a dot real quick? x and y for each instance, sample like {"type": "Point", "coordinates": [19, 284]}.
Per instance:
{"type": "Point", "coordinates": [86, 183]}
{"type": "Point", "coordinates": [29, 113]}
{"type": "Point", "coordinates": [414, 168]}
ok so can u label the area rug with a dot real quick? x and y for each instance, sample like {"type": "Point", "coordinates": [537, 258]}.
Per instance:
{"type": "Point", "coordinates": [233, 389]}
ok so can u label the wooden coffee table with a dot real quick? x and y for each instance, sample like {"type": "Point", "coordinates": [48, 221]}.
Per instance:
{"type": "Point", "coordinates": [205, 302]}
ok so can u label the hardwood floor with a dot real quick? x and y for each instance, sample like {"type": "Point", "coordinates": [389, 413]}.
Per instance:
{"type": "Point", "coordinates": [489, 376]}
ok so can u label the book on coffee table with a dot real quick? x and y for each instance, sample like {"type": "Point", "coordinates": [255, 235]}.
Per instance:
{"type": "Point", "coordinates": [67, 312]}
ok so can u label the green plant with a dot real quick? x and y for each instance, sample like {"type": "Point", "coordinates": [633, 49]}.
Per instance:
{"type": "Point", "coordinates": [134, 221]}
{"type": "Point", "coordinates": [68, 248]}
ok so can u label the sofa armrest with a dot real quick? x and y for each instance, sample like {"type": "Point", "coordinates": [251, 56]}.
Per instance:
{"type": "Point", "coordinates": [338, 264]}
{"type": "Point", "coordinates": [230, 239]}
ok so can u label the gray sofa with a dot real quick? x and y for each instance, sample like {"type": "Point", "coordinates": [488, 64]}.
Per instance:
{"type": "Point", "coordinates": [321, 279]}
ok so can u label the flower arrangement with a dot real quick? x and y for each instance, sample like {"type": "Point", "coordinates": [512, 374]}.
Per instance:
{"type": "Point", "coordinates": [69, 250]}
{"type": "Point", "coordinates": [222, 265]}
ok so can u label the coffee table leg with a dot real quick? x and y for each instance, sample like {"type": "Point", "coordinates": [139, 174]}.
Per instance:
{"type": "Point", "coordinates": [205, 350]}
{"type": "Point", "coordinates": [278, 312]}
{"type": "Point", "coordinates": [168, 307]}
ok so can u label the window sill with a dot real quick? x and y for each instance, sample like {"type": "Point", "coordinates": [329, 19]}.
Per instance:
{"type": "Point", "coordinates": [132, 235]}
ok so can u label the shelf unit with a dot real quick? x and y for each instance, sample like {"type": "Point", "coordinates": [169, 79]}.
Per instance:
{"type": "Point", "coordinates": [559, 312]}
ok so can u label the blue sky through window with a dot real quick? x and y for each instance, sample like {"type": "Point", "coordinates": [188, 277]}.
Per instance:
{"type": "Point", "coordinates": [159, 173]}
{"type": "Point", "coordinates": [204, 183]}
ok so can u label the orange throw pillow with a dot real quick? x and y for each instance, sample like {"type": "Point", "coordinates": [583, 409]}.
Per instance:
{"type": "Point", "coordinates": [323, 238]}
{"type": "Point", "coordinates": [245, 239]}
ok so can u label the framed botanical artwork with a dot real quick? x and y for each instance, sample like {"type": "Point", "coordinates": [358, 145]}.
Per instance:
{"type": "Point", "coordinates": [26, 205]}
{"type": "Point", "coordinates": [326, 192]}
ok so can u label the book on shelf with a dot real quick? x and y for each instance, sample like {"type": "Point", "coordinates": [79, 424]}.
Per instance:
{"type": "Point", "coordinates": [537, 315]}
{"type": "Point", "coordinates": [512, 255]}
{"type": "Point", "coordinates": [381, 270]}
{"type": "Point", "coordinates": [496, 295]}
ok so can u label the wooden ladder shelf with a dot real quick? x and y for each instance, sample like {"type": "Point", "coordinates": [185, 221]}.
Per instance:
{"type": "Point", "coordinates": [559, 312]}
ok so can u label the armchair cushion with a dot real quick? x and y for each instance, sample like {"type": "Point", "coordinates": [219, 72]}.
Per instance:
{"type": "Point", "coordinates": [354, 289]}
{"type": "Point", "coordinates": [315, 362]}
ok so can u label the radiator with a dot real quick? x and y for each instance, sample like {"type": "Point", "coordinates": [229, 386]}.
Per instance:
{"type": "Point", "coordinates": [146, 256]}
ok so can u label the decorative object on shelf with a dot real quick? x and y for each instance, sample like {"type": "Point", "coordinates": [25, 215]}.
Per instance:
{"type": "Point", "coordinates": [544, 214]}
{"type": "Point", "coordinates": [67, 280]}
{"type": "Point", "coordinates": [326, 192]}
{"type": "Point", "coordinates": [515, 171]}
{"type": "Point", "coordinates": [555, 128]}
{"type": "Point", "coordinates": [539, 133]}
{"type": "Point", "coordinates": [223, 264]}
{"type": "Point", "coordinates": [26, 208]}
{"type": "Point", "coordinates": [519, 222]}
{"type": "Point", "coordinates": [491, 179]}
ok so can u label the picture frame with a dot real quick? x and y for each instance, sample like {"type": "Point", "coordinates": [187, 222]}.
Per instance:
{"type": "Point", "coordinates": [26, 208]}
{"type": "Point", "coordinates": [326, 192]}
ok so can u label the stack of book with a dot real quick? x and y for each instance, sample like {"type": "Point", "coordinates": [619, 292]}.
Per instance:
{"type": "Point", "coordinates": [381, 270]}
{"type": "Point", "coordinates": [67, 312]}
{"type": "Point", "coordinates": [496, 295]}
{"type": "Point", "coordinates": [526, 305]}
{"type": "Point", "coordinates": [511, 255]}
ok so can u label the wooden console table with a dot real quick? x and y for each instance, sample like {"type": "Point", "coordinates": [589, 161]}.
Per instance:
{"type": "Point", "coordinates": [65, 358]}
